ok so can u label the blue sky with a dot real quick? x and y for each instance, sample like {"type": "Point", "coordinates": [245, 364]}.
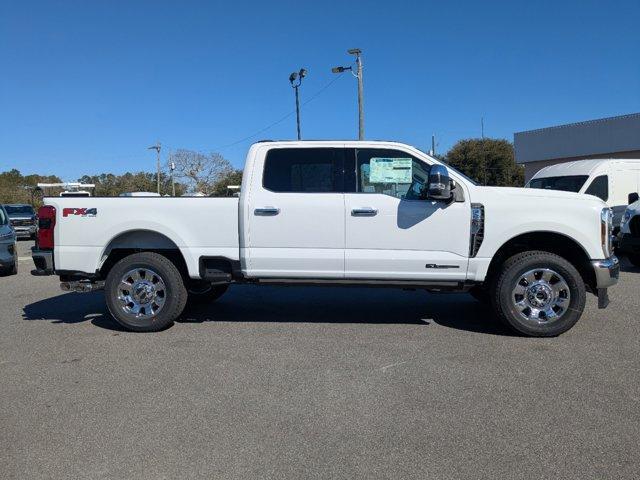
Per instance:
{"type": "Point", "coordinates": [87, 86]}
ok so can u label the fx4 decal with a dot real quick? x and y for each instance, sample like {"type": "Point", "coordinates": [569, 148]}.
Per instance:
{"type": "Point", "coordinates": [81, 212]}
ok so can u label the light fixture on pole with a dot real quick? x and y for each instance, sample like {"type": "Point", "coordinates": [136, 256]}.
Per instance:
{"type": "Point", "coordinates": [358, 54]}
{"type": "Point", "coordinates": [172, 167]}
{"type": "Point", "coordinates": [296, 80]}
{"type": "Point", "coordinates": [157, 148]}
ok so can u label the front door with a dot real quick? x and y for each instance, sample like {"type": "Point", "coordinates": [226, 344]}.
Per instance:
{"type": "Point", "coordinates": [296, 219]}
{"type": "Point", "coordinates": [392, 231]}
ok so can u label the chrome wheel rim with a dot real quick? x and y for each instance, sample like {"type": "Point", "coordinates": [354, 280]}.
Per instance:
{"type": "Point", "coordinates": [541, 296]}
{"type": "Point", "coordinates": [141, 293]}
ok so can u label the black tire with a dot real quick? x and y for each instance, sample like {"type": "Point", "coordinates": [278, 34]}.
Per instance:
{"type": "Point", "coordinates": [174, 292]}
{"type": "Point", "coordinates": [11, 269]}
{"type": "Point", "coordinates": [205, 292]}
{"type": "Point", "coordinates": [634, 258]}
{"type": "Point", "coordinates": [8, 271]}
{"type": "Point", "coordinates": [512, 270]}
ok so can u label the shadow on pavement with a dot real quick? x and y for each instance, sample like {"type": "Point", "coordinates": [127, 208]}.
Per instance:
{"type": "Point", "coordinates": [332, 305]}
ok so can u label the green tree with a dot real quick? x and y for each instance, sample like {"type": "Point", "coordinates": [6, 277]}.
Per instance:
{"type": "Point", "coordinates": [489, 161]}
{"type": "Point", "coordinates": [220, 189]}
{"type": "Point", "coordinates": [16, 188]}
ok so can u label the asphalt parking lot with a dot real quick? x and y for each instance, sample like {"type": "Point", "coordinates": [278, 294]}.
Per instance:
{"type": "Point", "coordinates": [303, 382]}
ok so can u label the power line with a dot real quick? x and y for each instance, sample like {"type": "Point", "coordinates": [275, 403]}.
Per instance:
{"type": "Point", "coordinates": [292, 112]}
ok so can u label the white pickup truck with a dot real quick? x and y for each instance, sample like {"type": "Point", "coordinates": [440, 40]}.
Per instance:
{"type": "Point", "coordinates": [337, 212]}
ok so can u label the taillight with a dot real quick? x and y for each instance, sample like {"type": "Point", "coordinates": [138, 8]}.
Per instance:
{"type": "Point", "coordinates": [46, 224]}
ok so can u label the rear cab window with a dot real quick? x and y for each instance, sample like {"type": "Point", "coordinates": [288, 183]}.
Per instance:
{"type": "Point", "coordinates": [304, 170]}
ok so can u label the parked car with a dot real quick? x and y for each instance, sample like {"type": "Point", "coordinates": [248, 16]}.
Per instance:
{"type": "Point", "coordinates": [8, 250]}
{"type": "Point", "coordinates": [629, 237]}
{"type": "Point", "coordinates": [23, 219]}
{"type": "Point", "coordinates": [337, 213]}
{"type": "Point", "coordinates": [611, 180]}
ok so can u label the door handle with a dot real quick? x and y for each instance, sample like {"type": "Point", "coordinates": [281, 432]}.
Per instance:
{"type": "Point", "coordinates": [364, 212]}
{"type": "Point", "coordinates": [266, 211]}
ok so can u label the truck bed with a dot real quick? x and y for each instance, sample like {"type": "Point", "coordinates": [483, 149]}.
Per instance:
{"type": "Point", "coordinates": [88, 227]}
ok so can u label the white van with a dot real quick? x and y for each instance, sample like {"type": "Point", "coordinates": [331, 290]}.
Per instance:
{"type": "Point", "coordinates": [612, 180]}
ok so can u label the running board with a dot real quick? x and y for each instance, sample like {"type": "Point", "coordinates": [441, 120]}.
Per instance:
{"type": "Point", "coordinates": [442, 284]}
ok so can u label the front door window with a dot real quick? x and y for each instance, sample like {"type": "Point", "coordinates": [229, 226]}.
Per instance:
{"type": "Point", "coordinates": [391, 172]}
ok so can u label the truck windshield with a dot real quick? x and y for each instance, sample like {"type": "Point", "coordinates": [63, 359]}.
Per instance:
{"type": "Point", "coordinates": [19, 210]}
{"type": "Point", "coordinates": [569, 183]}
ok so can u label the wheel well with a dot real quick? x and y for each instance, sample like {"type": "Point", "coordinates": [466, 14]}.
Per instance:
{"type": "Point", "coordinates": [551, 242]}
{"type": "Point", "coordinates": [136, 241]}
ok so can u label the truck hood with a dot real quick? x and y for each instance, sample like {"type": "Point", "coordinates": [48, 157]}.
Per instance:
{"type": "Point", "coordinates": [535, 193]}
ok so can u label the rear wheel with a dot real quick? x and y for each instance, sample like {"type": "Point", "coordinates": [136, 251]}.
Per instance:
{"type": "Point", "coordinates": [538, 294]}
{"type": "Point", "coordinates": [145, 292]}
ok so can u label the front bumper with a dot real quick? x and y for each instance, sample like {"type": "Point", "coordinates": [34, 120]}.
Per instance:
{"type": "Point", "coordinates": [628, 244]}
{"type": "Point", "coordinates": [607, 271]}
{"type": "Point", "coordinates": [43, 260]}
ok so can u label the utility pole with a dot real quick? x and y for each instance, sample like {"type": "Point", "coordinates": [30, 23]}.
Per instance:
{"type": "Point", "coordinates": [157, 148]}
{"type": "Point", "coordinates": [482, 127]}
{"type": "Point", "coordinates": [433, 144]}
{"type": "Point", "coordinates": [358, 53]}
{"type": "Point", "coordinates": [296, 85]}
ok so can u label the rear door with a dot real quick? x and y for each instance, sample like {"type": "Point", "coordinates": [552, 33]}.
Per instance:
{"type": "Point", "coordinates": [393, 232]}
{"type": "Point", "coordinates": [296, 219]}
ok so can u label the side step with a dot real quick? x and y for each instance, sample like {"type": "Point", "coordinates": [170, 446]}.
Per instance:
{"type": "Point", "coordinates": [215, 275]}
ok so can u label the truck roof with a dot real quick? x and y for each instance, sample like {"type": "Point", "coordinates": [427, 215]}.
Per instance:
{"type": "Point", "coordinates": [580, 167]}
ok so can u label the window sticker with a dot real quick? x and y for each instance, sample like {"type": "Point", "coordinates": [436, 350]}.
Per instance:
{"type": "Point", "coordinates": [390, 170]}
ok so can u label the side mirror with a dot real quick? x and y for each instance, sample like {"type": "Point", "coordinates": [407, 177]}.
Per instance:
{"type": "Point", "coordinates": [439, 183]}
{"type": "Point", "coordinates": [633, 197]}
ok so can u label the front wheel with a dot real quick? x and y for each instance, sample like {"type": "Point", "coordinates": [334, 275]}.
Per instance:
{"type": "Point", "coordinates": [538, 294]}
{"type": "Point", "coordinates": [145, 292]}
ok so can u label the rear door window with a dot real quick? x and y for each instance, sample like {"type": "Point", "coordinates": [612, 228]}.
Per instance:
{"type": "Point", "coordinates": [304, 170]}
{"type": "Point", "coordinates": [599, 187]}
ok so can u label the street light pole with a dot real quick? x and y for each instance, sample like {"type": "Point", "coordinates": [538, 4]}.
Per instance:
{"type": "Point", "coordinates": [358, 53]}
{"type": "Point", "coordinates": [296, 85]}
{"type": "Point", "coordinates": [157, 148]}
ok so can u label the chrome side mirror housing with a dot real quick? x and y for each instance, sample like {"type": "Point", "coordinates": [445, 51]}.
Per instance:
{"type": "Point", "coordinates": [439, 187]}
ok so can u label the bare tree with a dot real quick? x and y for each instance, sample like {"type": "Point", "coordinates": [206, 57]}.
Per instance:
{"type": "Point", "coordinates": [198, 170]}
